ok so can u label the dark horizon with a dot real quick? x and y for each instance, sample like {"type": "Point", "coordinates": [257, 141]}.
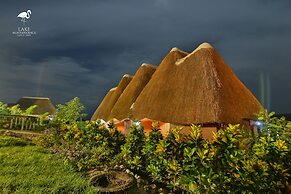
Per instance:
{"type": "Point", "coordinates": [83, 49]}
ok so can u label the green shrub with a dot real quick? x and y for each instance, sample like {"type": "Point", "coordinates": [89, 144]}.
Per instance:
{"type": "Point", "coordinates": [69, 113]}
{"type": "Point", "coordinates": [152, 164]}
{"type": "Point", "coordinates": [4, 110]}
{"type": "Point", "coordinates": [268, 167]}
{"type": "Point", "coordinates": [86, 144]}
{"type": "Point", "coordinates": [197, 156]}
{"type": "Point", "coordinates": [234, 162]}
{"type": "Point", "coordinates": [131, 151]}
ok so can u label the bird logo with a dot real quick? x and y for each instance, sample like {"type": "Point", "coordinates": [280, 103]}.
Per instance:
{"type": "Point", "coordinates": [24, 16]}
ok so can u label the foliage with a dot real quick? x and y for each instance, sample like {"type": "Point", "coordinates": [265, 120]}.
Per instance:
{"type": "Point", "coordinates": [30, 110]}
{"type": "Point", "coordinates": [69, 113]}
{"type": "Point", "coordinates": [269, 167]}
{"type": "Point", "coordinates": [86, 144]}
{"type": "Point", "coordinates": [132, 149]}
{"type": "Point", "coordinates": [197, 156]}
{"type": "Point", "coordinates": [152, 163]}
{"type": "Point", "coordinates": [15, 110]}
{"type": "Point", "coordinates": [166, 161]}
{"type": "Point", "coordinates": [4, 109]}
{"type": "Point", "coordinates": [235, 161]}
{"type": "Point", "coordinates": [224, 167]}
{"type": "Point", "coordinates": [273, 127]}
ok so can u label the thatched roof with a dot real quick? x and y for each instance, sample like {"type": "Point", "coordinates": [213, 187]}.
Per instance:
{"type": "Point", "coordinates": [104, 109]}
{"type": "Point", "coordinates": [198, 88]}
{"type": "Point", "coordinates": [121, 109]}
{"type": "Point", "coordinates": [43, 104]}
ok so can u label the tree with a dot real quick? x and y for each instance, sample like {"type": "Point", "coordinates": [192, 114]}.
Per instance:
{"type": "Point", "coordinates": [4, 109]}
{"type": "Point", "coordinates": [15, 110]}
{"type": "Point", "coordinates": [30, 110]}
{"type": "Point", "coordinates": [69, 113]}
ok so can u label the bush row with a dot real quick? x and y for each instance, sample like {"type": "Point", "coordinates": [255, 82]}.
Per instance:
{"type": "Point", "coordinates": [234, 162]}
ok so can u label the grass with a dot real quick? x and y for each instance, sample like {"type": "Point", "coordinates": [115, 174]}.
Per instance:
{"type": "Point", "coordinates": [27, 168]}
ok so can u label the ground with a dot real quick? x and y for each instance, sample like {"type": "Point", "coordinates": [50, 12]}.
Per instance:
{"type": "Point", "coordinates": [27, 168]}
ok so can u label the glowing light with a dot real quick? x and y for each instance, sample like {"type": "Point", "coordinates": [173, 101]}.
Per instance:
{"type": "Point", "coordinates": [137, 123]}
{"type": "Point", "coordinates": [259, 123]}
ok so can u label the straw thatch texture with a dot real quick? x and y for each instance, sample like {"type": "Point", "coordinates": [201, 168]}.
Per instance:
{"type": "Point", "coordinates": [121, 109]}
{"type": "Point", "coordinates": [100, 112]}
{"type": "Point", "coordinates": [43, 104]}
{"type": "Point", "coordinates": [104, 109]}
{"type": "Point", "coordinates": [157, 87]}
{"type": "Point", "coordinates": [199, 88]}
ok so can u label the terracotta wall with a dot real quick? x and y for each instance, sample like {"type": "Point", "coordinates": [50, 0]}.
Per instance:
{"type": "Point", "coordinates": [207, 132]}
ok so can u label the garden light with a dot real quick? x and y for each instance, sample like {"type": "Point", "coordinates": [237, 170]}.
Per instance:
{"type": "Point", "coordinates": [259, 123]}
{"type": "Point", "coordinates": [137, 123]}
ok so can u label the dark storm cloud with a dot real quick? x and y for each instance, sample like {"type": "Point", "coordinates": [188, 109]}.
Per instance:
{"type": "Point", "coordinates": [83, 48]}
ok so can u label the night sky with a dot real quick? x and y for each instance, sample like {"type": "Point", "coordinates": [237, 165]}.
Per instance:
{"type": "Point", "coordinates": [82, 48]}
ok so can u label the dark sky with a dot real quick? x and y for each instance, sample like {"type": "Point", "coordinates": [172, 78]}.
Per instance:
{"type": "Point", "coordinates": [82, 48]}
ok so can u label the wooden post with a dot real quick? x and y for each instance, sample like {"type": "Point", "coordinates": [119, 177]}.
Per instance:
{"type": "Point", "coordinates": [15, 124]}
{"type": "Point", "coordinates": [22, 124]}
{"type": "Point", "coordinates": [14, 121]}
{"type": "Point", "coordinates": [26, 123]}
{"type": "Point", "coordinates": [30, 124]}
{"type": "Point", "coordinates": [11, 123]}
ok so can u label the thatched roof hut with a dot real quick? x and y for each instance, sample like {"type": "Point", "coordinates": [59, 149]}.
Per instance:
{"type": "Point", "coordinates": [197, 88]}
{"type": "Point", "coordinates": [104, 109]}
{"type": "Point", "coordinates": [121, 109]}
{"type": "Point", "coordinates": [43, 104]}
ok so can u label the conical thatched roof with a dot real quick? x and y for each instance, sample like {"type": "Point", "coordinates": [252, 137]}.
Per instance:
{"type": "Point", "coordinates": [121, 109]}
{"type": "Point", "coordinates": [43, 104]}
{"type": "Point", "coordinates": [104, 109]}
{"type": "Point", "coordinates": [199, 88]}
{"type": "Point", "coordinates": [150, 93]}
